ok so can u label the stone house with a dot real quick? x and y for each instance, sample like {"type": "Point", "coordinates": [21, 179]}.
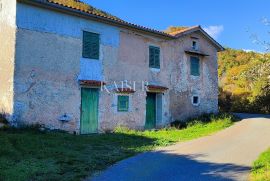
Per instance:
{"type": "Point", "coordinates": [72, 68]}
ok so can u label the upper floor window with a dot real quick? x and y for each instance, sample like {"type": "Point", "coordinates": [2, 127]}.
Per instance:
{"type": "Point", "coordinates": [195, 66]}
{"type": "Point", "coordinates": [90, 45]}
{"type": "Point", "coordinates": [154, 57]}
{"type": "Point", "coordinates": [195, 45]}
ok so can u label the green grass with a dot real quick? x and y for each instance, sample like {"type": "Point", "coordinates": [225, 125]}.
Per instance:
{"type": "Point", "coordinates": [32, 155]}
{"type": "Point", "coordinates": [261, 168]}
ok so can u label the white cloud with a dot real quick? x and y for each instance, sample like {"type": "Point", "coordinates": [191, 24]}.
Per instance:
{"type": "Point", "coordinates": [250, 50]}
{"type": "Point", "coordinates": [214, 31]}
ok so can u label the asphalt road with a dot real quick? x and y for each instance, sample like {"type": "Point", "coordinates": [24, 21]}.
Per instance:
{"type": "Point", "coordinates": [226, 155]}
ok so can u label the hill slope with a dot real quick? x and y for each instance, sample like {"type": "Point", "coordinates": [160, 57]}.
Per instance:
{"type": "Point", "coordinates": [244, 81]}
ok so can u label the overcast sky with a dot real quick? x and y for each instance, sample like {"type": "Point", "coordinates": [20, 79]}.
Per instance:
{"type": "Point", "coordinates": [232, 22]}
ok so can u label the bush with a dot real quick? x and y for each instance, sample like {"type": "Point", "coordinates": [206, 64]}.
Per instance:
{"type": "Point", "coordinates": [3, 118]}
{"type": "Point", "coordinates": [179, 124]}
{"type": "Point", "coordinates": [244, 81]}
{"type": "Point", "coordinates": [261, 167]}
{"type": "Point", "coordinates": [245, 103]}
{"type": "Point", "coordinates": [203, 119]}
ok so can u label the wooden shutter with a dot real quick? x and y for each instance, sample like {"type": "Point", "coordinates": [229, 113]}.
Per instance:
{"type": "Point", "coordinates": [151, 57]}
{"type": "Point", "coordinates": [90, 45]}
{"type": "Point", "coordinates": [195, 66]}
{"type": "Point", "coordinates": [123, 103]}
{"type": "Point", "coordinates": [154, 57]}
{"type": "Point", "coordinates": [157, 57]}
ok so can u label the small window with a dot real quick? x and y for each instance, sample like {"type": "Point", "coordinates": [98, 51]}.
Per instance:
{"type": "Point", "coordinates": [90, 45]}
{"type": "Point", "coordinates": [195, 66]}
{"type": "Point", "coordinates": [154, 57]}
{"type": "Point", "coordinates": [194, 45]}
{"type": "Point", "coordinates": [123, 103]}
{"type": "Point", "coordinates": [195, 100]}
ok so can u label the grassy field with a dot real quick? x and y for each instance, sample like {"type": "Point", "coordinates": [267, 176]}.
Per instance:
{"type": "Point", "coordinates": [261, 168]}
{"type": "Point", "coordinates": [32, 155]}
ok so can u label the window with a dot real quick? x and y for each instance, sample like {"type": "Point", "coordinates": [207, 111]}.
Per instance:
{"type": "Point", "coordinates": [154, 57]}
{"type": "Point", "coordinates": [123, 103]}
{"type": "Point", "coordinates": [90, 45]}
{"type": "Point", "coordinates": [195, 66]}
{"type": "Point", "coordinates": [194, 45]}
{"type": "Point", "coordinates": [195, 100]}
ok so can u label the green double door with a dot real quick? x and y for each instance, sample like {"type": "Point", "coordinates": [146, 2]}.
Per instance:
{"type": "Point", "coordinates": [150, 122]}
{"type": "Point", "coordinates": [89, 110]}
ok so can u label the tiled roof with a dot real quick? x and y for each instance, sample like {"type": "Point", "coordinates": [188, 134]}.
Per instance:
{"type": "Point", "coordinates": [184, 29]}
{"type": "Point", "coordinates": [157, 88]}
{"type": "Point", "coordinates": [92, 83]}
{"type": "Point", "coordinates": [85, 10]}
{"type": "Point", "coordinates": [171, 29]}
{"type": "Point", "coordinates": [78, 5]}
{"type": "Point", "coordinates": [83, 7]}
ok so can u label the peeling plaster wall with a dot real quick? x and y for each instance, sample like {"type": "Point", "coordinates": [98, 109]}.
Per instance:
{"type": "Point", "coordinates": [130, 62]}
{"type": "Point", "coordinates": [46, 21]}
{"type": "Point", "coordinates": [7, 55]}
{"type": "Point", "coordinates": [49, 65]}
{"type": "Point", "coordinates": [133, 64]}
{"type": "Point", "coordinates": [184, 85]}
{"type": "Point", "coordinates": [46, 86]}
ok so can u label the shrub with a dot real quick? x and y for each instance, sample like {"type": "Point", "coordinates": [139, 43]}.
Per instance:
{"type": "Point", "coordinates": [179, 124]}
{"type": "Point", "coordinates": [261, 167]}
{"type": "Point", "coordinates": [3, 118]}
{"type": "Point", "coordinates": [203, 119]}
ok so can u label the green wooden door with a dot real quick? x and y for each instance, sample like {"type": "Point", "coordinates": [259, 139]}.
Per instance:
{"type": "Point", "coordinates": [89, 111]}
{"type": "Point", "coordinates": [150, 122]}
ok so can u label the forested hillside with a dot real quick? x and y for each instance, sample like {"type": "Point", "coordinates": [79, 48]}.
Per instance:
{"type": "Point", "coordinates": [244, 79]}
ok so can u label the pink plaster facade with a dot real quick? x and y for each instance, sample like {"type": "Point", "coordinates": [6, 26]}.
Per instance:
{"type": "Point", "coordinates": [48, 67]}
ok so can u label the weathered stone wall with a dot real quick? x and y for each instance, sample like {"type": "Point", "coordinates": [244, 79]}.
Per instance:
{"type": "Point", "coordinates": [49, 65]}
{"type": "Point", "coordinates": [7, 48]}
{"type": "Point", "coordinates": [131, 63]}
{"type": "Point", "coordinates": [46, 86]}
{"type": "Point", "coordinates": [184, 85]}
{"type": "Point", "coordinates": [174, 73]}
{"type": "Point", "coordinates": [48, 70]}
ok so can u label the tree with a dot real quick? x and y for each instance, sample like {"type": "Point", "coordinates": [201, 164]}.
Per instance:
{"type": "Point", "coordinates": [172, 29]}
{"type": "Point", "coordinates": [244, 81]}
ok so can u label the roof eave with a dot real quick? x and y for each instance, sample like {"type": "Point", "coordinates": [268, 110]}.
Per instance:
{"type": "Point", "coordinates": [219, 46]}
{"type": "Point", "coordinates": [199, 28]}
{"type": "Point", "coordinates": [67, 10]}
{"type": "Point", "coordinates": [126, 25]}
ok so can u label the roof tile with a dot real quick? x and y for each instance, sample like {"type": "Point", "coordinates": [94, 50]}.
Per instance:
{"type": "Point", "coordinates": [77, 5]}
